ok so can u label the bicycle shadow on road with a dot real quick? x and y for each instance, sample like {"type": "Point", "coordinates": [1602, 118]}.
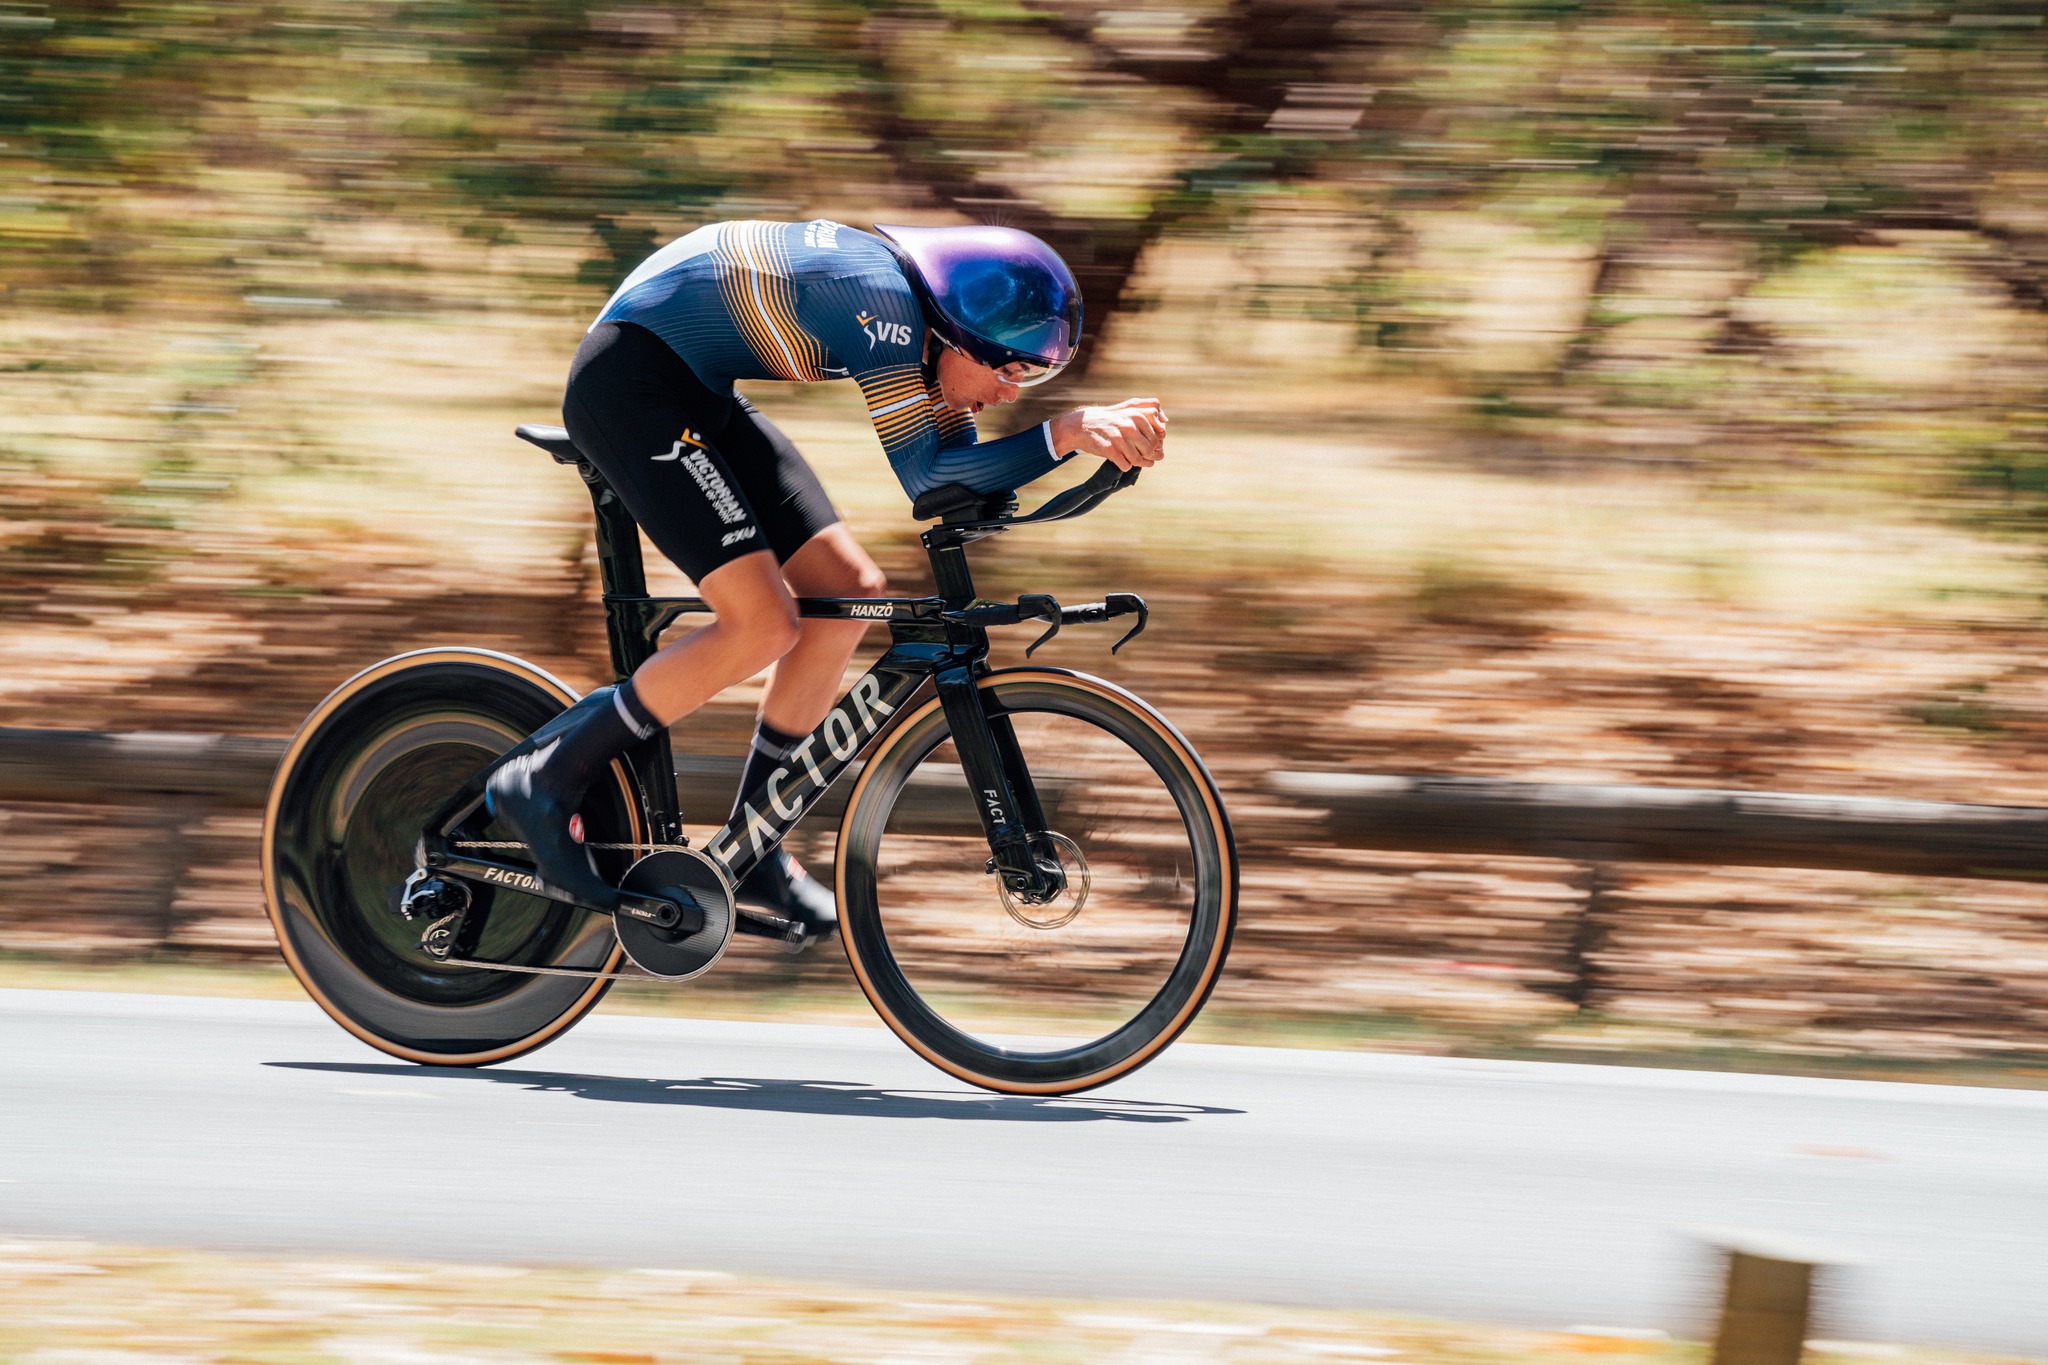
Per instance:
{"type": "Point", "coordinates": [829, 1098]}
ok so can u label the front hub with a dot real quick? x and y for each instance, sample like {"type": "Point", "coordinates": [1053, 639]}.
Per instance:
{"type": "Point", "coordinates": [1065, 870]}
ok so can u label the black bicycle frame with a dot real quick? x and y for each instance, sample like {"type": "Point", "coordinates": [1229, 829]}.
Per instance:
{"type": "Point", "coordinates": [942, 638]}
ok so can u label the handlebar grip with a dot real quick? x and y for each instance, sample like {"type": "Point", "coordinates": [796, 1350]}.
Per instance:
{"type": "Point", "coordinates": [1090, 613]}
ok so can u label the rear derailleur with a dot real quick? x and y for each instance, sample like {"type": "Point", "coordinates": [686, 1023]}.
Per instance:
{"type": "Point", "coordinates": [444, 901]}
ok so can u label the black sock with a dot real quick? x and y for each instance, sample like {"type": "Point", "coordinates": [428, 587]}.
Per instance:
{"type": "Point", "coordinates": [571, 763]}
{"type": "Point", "coordinates": [771, 750]}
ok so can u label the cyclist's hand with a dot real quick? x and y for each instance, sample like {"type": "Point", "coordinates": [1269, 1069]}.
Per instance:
{"type": "Point", "coordinates": [1130, 434]}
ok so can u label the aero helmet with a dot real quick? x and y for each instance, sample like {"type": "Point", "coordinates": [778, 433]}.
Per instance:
{"type": "Point", "coordinates": [999, 295]}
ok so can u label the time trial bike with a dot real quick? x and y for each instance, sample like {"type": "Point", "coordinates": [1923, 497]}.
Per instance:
{"type": "Point", "coordinates": [1036, 877]}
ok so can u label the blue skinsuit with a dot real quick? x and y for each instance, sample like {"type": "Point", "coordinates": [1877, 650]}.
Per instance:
{"type": "Point", "coordinates": [818, 301]}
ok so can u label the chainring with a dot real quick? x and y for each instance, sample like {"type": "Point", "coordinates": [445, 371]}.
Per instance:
{"type": "Point", "coordinates": [667, 953]}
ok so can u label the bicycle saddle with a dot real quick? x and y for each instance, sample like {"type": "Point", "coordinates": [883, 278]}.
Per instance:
{"type": "Point", "coordinates": [956, 500]}
{"type": "Point", "coordinates": [554, 440]}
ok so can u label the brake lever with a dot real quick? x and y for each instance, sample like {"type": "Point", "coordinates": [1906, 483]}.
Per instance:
{"type": "Point", "coordinates": [1037, 604]}
{"type": "Point", "coordinates": [1128, 601]}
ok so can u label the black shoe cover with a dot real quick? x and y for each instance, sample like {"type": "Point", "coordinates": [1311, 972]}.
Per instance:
{"type": "Point", "coordinates": [541, 820]}
{"type": "Point", "coordinates": [780, 886]}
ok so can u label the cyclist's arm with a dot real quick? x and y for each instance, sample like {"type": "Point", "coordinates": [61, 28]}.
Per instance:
{"type": "Point", "coordinates": [912, 425]}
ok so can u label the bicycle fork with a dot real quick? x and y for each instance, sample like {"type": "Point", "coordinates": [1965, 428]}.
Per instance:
{"type": "Point", "coordinates": [1005, 797]}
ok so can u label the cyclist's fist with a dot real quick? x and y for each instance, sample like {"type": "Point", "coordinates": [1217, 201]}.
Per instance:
{"type": "Point", "coordinates": [1130, 434]}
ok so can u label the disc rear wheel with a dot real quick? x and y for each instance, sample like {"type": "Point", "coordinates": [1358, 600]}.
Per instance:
{"type": "Point", "coordinates": [368, 772]}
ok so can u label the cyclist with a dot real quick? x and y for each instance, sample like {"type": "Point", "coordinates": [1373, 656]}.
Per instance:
{"type": "Point", "coordinates": [934, 325]}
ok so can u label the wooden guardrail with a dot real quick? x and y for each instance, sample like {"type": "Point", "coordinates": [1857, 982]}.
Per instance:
{"type": "Point", "coordinates": [88, 768]}
{"type": "Point", "coordinates": [1625, 824]}
{"type": "Point", "coordinates": [1582, 822]}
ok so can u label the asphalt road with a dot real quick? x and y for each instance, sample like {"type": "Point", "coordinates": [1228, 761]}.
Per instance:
{"type": "Point", "coordinates": [1533, 1193]}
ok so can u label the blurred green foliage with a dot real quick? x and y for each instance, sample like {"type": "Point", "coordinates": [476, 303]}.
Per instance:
{"type": "Point", "coordinates": [1777, 127]}
{"type": "Point", "coordinates": [1669, 167]}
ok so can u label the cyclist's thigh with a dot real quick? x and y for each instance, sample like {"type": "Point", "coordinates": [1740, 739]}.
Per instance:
{"type": "Point", "coordinates": [777, 481]}
{"type": "Point", "coordinates": [652, 429]}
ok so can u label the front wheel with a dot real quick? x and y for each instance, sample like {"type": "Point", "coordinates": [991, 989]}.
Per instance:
{"type": "Point", "coordinates": [371, 767]}
{"type": "Point", "coordinates": [1040, 999]}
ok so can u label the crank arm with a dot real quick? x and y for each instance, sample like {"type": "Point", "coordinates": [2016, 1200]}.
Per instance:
{"type": "Point", "coordinates": [655, 910]}
{"type": "Point", "coordinates": [761, 924]}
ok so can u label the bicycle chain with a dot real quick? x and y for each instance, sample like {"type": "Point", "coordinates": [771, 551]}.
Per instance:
{"type": "Point", "coordinates": [444, 928]}
{"type": "Point", "coordinates": [555, 971]}
{"type": "Point", "coordinates": [514, 843]}
{"type": "Point", "coordinates": [543, 971]}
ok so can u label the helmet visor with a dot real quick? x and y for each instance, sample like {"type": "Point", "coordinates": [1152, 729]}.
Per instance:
{"type": "Point", "coordinates": [1007, 296]}
{"type": "Point", "coordinates": [1029, 313]}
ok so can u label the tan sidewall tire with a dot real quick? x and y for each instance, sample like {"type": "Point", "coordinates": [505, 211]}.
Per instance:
{"type": "Point", "coordinates": [903, 724]}
{"type": "Point", "coordinates": [376, 673]}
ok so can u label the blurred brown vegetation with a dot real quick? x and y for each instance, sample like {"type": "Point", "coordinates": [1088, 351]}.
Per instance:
{"type": "Point", "coordinates": [1661, 387]}
{"type": "Point", "coordinates": [1659, 230]}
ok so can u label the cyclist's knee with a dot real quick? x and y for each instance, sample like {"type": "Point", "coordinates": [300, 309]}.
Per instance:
{"type": "Point", "coordinates": [849, 580]}
{"type": "Point", "coordinates": [833, 564]}
{"type": "Point", "coordinates": [778, 634]}
{"type": "Point", "coordinates": [769, 627]}
{"type": "Point", "coordinates": [752, 604]}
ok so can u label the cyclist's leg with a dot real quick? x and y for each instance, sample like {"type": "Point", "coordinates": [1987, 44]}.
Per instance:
{"type": "Point", "coordinates": [754, 623]}
{"type": "Point", "coordinates": [806, 681]}
{"type": "Point", "coordinates": [650, 427]}
{"type": "Point", "coordinates": [681, 456]}
{"type": "Point", "coordinates": [538, 793]}
{"type": "Point", "coordinates": [820, 559]}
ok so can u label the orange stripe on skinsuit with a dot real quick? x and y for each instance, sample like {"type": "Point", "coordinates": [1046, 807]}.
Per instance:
{"type": "Point", "coordinates": [781, 297]}
{"type": "Point", "coordinates": [775, 356]}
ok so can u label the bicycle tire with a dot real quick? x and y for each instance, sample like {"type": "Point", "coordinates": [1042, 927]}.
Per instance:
{"type": "Point", "coordinates": [368, 769]}
{"type": "Point", "coordinates": [951, 979]}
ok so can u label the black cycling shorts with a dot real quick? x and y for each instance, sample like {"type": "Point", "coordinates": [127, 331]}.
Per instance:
{"type": "Point", "coordinates": [704, 473]}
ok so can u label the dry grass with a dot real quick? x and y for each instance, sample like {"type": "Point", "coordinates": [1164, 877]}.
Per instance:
{"type": "Point", "coordinates": [74, 1303]}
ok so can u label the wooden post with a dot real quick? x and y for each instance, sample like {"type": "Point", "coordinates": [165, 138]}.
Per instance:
{"type": "Point", "coordinates": [1764, 1310]}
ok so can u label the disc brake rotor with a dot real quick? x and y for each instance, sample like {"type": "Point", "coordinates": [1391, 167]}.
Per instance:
{"type": "Point", "coordinates": [1061, 909]}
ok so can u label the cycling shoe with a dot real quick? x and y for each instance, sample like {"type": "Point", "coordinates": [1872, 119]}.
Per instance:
{"type": "Point", "coordinates": [541, 819]}
{"type": "Point", "coordinates": [780, 886]}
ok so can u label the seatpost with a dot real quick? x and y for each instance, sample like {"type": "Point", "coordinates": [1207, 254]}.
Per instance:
{"type": "Point", "coordinates": [950, 573]}
{"type": "Point", "coordinates": [624, 575]}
